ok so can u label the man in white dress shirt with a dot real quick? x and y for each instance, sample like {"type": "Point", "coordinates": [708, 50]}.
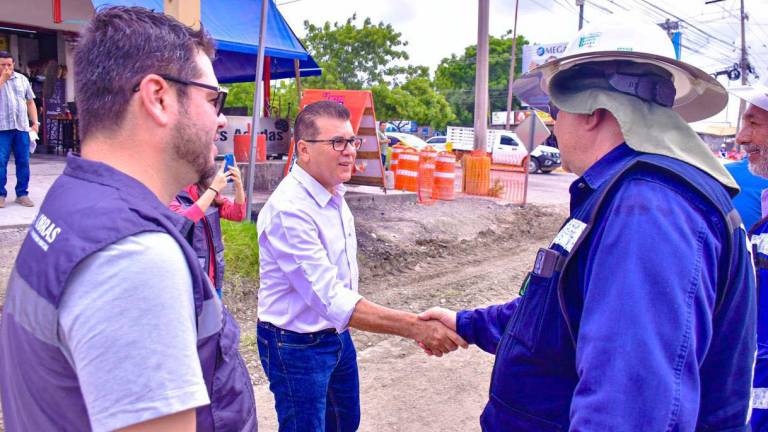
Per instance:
{"type": "Point", "coordinates": [308, 295]}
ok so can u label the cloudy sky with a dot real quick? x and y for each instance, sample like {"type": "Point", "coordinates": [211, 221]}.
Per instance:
{"type": "Point", "coordinates": [436, 29]}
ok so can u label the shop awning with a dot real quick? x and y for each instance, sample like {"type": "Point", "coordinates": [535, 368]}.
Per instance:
{"type": "Point", "coordinates": [235, 26]}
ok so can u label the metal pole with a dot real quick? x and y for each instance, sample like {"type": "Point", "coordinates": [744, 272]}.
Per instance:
{"type": "Point", "coordinates": [530, 141]}
{"type": "Point", "coordinates": [512, 69]}
{"type": "Point", "coordinates": [481, 77]}
{"type": "Point", "coordinates": [297, 69]}
{"type": "Point", "coordinates": [743, 65]}
{"type": "Point", "coordinates": [258, 109]}
{"type": "Point", "coordinates": [580, 4]}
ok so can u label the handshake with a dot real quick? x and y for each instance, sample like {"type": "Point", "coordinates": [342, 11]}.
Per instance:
{"type": "Point", "coordinates": [435, 332]}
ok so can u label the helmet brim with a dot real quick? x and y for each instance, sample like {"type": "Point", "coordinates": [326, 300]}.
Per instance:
{"type": "Point", "coordinates": [698, 94]}
{"type": "Point", "coordinates": [756, 94]}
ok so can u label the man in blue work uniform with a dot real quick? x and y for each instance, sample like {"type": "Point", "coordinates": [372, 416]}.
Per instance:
{"type": "Point", "coordinates": [640, 315]}
{"type": "Point", "coordinates": [753, 137]}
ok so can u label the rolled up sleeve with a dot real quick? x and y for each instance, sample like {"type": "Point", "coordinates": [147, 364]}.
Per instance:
{"type": "Point", "coordinates": [293, 239]}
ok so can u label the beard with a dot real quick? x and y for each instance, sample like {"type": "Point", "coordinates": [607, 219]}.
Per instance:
{"type": "Point", "coordinates": [192, 145]}
{"type": "Point", "coordinates": [760, 167]}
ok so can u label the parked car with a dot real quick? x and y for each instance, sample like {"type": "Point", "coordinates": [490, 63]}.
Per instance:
{"type": "Point", "coordinates": [437, 141]}
{"type": "Point", "coordinates": [412, 140]}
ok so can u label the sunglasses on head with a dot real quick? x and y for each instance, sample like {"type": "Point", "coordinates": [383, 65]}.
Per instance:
{"type": "Point", "coordinates": [221, 96]}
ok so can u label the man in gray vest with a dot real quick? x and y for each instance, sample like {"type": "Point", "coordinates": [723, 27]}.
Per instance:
{"type": "Point", "coordinates": [109, 321]}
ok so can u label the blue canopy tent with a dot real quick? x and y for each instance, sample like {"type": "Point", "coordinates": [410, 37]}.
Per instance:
{"type": "Point", "coordinates": [234, 24]}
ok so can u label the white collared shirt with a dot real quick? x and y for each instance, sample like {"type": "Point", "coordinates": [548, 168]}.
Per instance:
{"type": "Point", "coordinates": [14, 95]}
{"type": "Point", "coordinates": [307, 256]}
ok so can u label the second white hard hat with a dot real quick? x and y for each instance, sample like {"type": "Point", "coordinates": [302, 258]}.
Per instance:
{"type": "Point", "coordinates": [756, 94]}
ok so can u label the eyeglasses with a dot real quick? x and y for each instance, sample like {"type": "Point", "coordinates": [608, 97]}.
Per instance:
{"type": "Point", "coordinates": [340, 144]}
{"type": "Point", "coordinates": [221, 96]}
{"type": "Point", "coordinates": [553, 110]}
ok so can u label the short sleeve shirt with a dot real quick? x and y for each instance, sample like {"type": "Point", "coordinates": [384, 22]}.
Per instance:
{"type": "Point", "coordinates": [127, 325]}
{"type": "Point", "coordinates": [14, 95]}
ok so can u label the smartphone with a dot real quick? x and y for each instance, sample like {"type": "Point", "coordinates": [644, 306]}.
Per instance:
{"type": "Point", "coordinates": [229, 161]}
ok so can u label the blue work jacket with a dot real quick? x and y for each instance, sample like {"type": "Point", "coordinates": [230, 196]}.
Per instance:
{"type": "Point", "coordinates": [640, 316]}
{"type": "Point", "coordinates": [759, 238]}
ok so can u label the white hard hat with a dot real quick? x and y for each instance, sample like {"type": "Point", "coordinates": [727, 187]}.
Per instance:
{"type": "Point", "coordinates": [621, 37]}
{"type": "Point", "coordinates": [756, 94]}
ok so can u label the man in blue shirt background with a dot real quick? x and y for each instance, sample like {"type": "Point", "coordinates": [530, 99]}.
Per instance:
{"type": "Point", "coordinates": [640, 315]}
{"type": "Point", "coordinates": [747, 202]}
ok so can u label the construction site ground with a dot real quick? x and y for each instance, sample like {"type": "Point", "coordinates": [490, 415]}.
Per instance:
{"type": "Point", "coordinates": [466, 253]}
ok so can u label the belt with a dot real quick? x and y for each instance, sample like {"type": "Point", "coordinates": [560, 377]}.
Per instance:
{"type": "Point", "coordinates": [270, 326]}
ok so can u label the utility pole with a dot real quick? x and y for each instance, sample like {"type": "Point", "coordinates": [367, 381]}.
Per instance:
{"type": "Point", "coordinates": [481, 77]}
{"type": "Point", "coordinates": [580, 4]}
{"type": "Point", "coordinates": [742, 64]}
{"type": "Point", "coordinates": [512, 68]}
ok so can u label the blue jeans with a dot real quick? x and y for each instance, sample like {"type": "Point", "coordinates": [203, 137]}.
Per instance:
{"type": "Point", "coordinates": [313, 377]}
{"type": "Point", "coordinates": [17, 142]}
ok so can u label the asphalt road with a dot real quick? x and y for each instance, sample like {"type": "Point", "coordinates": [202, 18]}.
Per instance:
{"type": "Point", "coordinates": [550, 188]}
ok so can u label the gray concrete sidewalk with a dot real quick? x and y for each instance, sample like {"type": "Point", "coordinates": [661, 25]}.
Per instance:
{"type": "Point", "coordinates": [45, 169]}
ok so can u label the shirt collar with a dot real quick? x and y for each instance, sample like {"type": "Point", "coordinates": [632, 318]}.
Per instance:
{"type": "Point", "coordinates": [607, 166]}
{"type": "Point", "coordinates": [315, 189]}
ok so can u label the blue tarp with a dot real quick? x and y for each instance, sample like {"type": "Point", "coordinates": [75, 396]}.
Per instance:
{"type": "Point", "coordinates": [235, 26]}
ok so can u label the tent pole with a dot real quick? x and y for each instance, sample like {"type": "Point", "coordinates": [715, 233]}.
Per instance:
{"type": "Point", "coordinates": [258, 110]}
{"type": "Point", "coordinates": [297, 69]}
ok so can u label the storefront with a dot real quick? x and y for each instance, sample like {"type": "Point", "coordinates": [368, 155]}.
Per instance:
{"type": "Point", "coordinates": [41, 38]}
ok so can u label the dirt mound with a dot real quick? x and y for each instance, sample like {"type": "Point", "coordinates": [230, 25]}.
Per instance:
{"type": "Point", "coordinates": [408, 236]}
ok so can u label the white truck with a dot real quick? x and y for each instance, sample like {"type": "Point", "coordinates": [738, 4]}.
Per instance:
{"type": "Point", "coordinates": [505, 147]}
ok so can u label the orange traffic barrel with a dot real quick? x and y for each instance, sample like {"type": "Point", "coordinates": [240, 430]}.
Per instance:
{"type": "Point", "coordinates": [445, 176]}
{"type": "Point", "coordinates": [407, 174]}
{"type": "Point", "coordinates": [426, 179]}
{"type": "Point", "coordinates": [243, 147]}
{"type": "Point", "coordinates": [396, 150]}
{"type": "Point", "coordinates": [477, 172]}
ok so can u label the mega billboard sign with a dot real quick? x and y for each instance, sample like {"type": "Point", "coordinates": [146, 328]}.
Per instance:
{"type": "Point", "coordinates": [536, 55]}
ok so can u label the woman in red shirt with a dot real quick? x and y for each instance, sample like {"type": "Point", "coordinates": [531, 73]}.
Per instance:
{"type": "Point", "coordinates": [203, 204]}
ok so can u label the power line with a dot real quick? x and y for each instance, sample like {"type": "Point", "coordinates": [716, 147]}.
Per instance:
{"type": "Point", "coordinates": [604, 9]}
{"type": "Point", "coordinates": [687, 22]}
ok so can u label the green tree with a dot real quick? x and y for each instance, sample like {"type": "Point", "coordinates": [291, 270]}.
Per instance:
{"type": "Point", "coordinates": [284, 98]}
{"type": "Point", "coordinates": [415, 100]}
{"type": "Point", "coordinates": [354, 57]}
{"type": "Point", "coordinates": [455, 77]}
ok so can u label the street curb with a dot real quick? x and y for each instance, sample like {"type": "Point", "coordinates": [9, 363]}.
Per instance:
{"type": "Point", "coordinates": [356, 200]}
